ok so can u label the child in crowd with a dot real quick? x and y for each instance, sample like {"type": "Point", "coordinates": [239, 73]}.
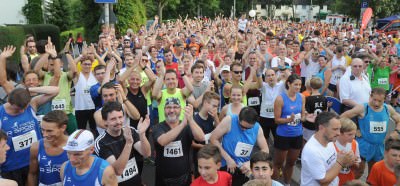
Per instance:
{"type": "Point", "coordinates": [346, 142]}
{"type": "Point", "coordinates": [261, 168]}
{"type": "Point", "coordinates": [209, 159]}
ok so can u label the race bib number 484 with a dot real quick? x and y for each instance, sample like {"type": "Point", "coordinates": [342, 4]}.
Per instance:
{"type": "Point", "coordinates": [173, 150]}
{"type": "Point", "coordinates": [129, 172]}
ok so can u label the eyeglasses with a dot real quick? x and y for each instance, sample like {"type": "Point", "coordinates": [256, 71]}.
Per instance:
{"type": "Point", "coordinates": [101, 73]}
{"type": "Point", "coordinates": [357, 66]}
{"type": "Point", "coordinates": [237, 72]}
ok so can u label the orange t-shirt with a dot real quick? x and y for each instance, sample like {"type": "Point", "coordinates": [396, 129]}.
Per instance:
{"type": "Point", "coordinates": [380, 175]}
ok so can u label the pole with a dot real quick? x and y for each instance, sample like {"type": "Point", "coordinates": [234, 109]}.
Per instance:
{"type": "Point", "coordinates": [106, 14]}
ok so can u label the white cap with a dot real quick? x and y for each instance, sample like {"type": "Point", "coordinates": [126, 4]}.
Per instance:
{"type": "Point", "coordinates": [361, 50]}
{"type": "Point", "coordinates": [79, 140]}
{"type": "Point", "coordinates": [225, 68]}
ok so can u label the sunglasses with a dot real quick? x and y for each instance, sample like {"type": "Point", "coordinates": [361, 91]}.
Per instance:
{"type": "Point", "coordinates": [367, 61]}
{"type": "Point", "coordinates": [357, 66]}
{"type": "Point", "coordinates": [237, 72]}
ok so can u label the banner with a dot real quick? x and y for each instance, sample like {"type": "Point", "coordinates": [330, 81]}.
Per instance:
{"type": "Point", "coordinates": [365, 19]}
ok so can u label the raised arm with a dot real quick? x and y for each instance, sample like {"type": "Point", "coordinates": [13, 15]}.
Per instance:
{"type": "Point", "coordinates": [47, 93]}
{"type": "Point", "coordinates": [7, 52]}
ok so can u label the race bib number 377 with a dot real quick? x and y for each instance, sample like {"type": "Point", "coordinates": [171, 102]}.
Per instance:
{"type": "Point", "coordinates": [24, 141]}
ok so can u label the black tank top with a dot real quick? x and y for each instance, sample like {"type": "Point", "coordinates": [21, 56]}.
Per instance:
{"type": "Point", "coordinates": [140, 102]}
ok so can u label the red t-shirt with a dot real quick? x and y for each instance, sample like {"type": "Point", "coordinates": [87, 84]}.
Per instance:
{"type": "Point", "coordinates": [380, 175]}
{"type": "Point", "coordinates": [224, 179]}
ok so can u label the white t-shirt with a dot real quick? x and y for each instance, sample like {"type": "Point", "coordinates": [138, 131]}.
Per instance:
{"type": "Point", "coordinates": [316, 160]}
{"type": "Point", "coordinates": [356, 90]}
{"type": "Point", "coordinates": [242, 23]}
{"type": "Point", "coordinates": [311, 69]}
{"type": "Point", "coordinates": [275, 62]}
{"type": "Point", "coordinates": [338, 73]}
{"type": "Point", "coordinates": [269, 95]}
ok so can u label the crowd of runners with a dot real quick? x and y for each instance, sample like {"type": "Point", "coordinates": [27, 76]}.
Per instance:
{"type": "Point", "coordinates": [207, 101]}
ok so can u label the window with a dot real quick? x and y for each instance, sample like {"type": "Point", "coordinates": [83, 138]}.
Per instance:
{"type": "Point", "coordinates": [303, 6]}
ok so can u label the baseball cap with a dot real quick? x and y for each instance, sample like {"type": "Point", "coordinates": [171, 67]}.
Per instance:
{"type": "Point", "coordinates": [171, 101]}
{"type": "Point", "coordinates": [127, 38]}
{"type": "Point", "coordinates": [193, 35]}
{"type": "Point", "coordinates": [225, 68]}
{"type": "Point", "coordinates": [79, 140]}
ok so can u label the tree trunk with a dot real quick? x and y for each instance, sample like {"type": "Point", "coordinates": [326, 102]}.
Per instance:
{"type": "Point", "coordinates": [160, 11]}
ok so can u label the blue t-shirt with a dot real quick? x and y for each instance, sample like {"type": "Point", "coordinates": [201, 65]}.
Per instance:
{"type": "Point", "coordinates": [96, 97]}
{"type": "Point", "coordinates": [49, 166]}
{"type": "Point", "coordinates": [22, 130]}
{"type": "Point", "coordinates": [92, 177]}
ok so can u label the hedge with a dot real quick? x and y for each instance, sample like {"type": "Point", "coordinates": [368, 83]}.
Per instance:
{"type": "Point", "coordinates": [64, 35]}
{"type": "Point", "coordinates": [15, 35]}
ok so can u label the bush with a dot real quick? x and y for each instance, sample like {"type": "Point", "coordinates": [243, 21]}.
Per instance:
{"type": "Point", "coordinates": [64, 35]}
{"type": "Point", "coordinates": [15, 35]}
{"type": "Point", "coordinates": [130, 14]}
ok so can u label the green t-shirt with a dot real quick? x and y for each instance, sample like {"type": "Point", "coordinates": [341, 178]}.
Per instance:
{"type": "Point", "coordinates": [63, 100]}
{"type": "Point", "coordinates": [380, 77]}
{"type": "Point", "coordinates": [178, 94]}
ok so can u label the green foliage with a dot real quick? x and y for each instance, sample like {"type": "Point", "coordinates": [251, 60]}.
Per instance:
{"type": "Point", "coordinates": [33, 11]}
{"type": "Point", "coordinates": [15, 35]}
{"type": "Point", "coordinates": [64, 35]}
{"type": "Point", "coordinates": [91, 13]}
{"type": "Point", "coordinates": [58, 13]}
{"type": "Point", "coordinates": [207, 8]}
{"type": "Point", "coordinates": [130, 14]}
{"type": "Point", "coordinates": [385, 8]}
{"type": "Point", "coordinates": [76, 14]}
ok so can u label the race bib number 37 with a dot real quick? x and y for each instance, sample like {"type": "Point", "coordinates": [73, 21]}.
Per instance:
{"type": "Point", "coordinates": [24, 141]}
{"type": "Point", "coordinates": [243, 149]}
{"type": "Point", "coordinates": [173, 150]}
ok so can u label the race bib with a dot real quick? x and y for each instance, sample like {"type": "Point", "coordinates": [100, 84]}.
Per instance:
{"type": "Point", "coordinates": [86, 90]}
{"type": "Point", "coordinates": [243, 149]}
{"type": "Point", "coordinates": [377, 127]}
{"type": "Point", "coordinates": [338, 77]}
{"type": "Point", "coordinates": [173, 150]}
{"type": "Point", "coordinates": [253, 101]}
{"type": "Point", "coordinates": [297, 119]}
{"type": "Point", "coordinates": [24, 141]}
{"type": "Point", "coordinates": [129, 172]}
{"type": "Point", "coordinates": [58, 104]}
{"type": "Point", "coordinates": [269, 108]}
{"type": "Point", "coordinates": [207, 138]}
{"type": "Point", "coordinates": [383, 81]}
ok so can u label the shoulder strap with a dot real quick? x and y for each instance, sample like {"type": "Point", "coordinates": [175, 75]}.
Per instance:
{"type": "Point", "coordinates": [354, 146]}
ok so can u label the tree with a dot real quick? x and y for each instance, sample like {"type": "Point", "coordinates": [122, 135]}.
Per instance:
{"type": "Point", "coordinates": [58, 13]}
{"type": "Point", "coordinates": [33, 11]}
{"type": "Point", "coordinates": [91, 12]}
{"type": "Point", "coordinates": [162, 3]}
{"type": "Point", "coordinates": [130, 14]}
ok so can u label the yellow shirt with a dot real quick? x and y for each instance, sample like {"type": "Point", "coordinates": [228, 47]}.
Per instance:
{"type": "Point", "coordinates": [348, 60]}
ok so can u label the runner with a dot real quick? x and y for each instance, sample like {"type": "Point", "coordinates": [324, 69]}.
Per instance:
{"type": "Point", "coordinates": [47, 155]}
{"type": "Point", "coordinates": [82, 168]}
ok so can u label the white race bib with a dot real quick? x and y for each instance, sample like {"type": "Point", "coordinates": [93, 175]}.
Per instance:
{"type": "Point", "coordinates": [383, 81]}
{"type": "Point", "coordinates": [24, 141]}
{"type": "Point", "coordinates": [58, 104]}
{"type": "Point", "coordinates": [243, 149]}
{"type": "Point", "coordinates": [207, 138]}
{"type": "Point", "coordinates": [377, 127]}
{"type": "Point", "coordinates": [253, 101]}
{"type": "Point", "coordinates": [173, 150]}
{"type": "Point", "coordinates": [129, 172]}
{"type": "Point", "coordinates": [86, 90]}
{"type": "Point", "coordinates": [297, 119]}
{"type": "Point", "coordinates": [269, 108]}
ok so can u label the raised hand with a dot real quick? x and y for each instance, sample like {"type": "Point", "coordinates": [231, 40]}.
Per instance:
{"type": "Point", "coordinates": [8, 51]}
{"type": "Point", "coordinates": [143, 124]}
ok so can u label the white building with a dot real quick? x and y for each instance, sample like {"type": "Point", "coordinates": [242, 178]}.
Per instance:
{"type": "Point", "coordinates": [11, 12]}
{"type": "Point", "coordinates": [303, 11]}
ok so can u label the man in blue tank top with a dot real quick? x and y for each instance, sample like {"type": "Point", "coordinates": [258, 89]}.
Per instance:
{"type": "Point", "coordinates": [239, 134]}
{"type": "Point", "coordinates": [373, 121]}
{"type": "Point", "coordinates": [47, 155]}
{"type": "Point", "coordinates": [83, 168]}
{"type": "Point", "coordinates": [18, 120]}
{"type": "Point", "coordinates": [3, 149]}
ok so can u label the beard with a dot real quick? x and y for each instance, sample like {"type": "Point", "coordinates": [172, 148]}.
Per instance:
{"type": "Point", "coordinates": [172, 118]}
